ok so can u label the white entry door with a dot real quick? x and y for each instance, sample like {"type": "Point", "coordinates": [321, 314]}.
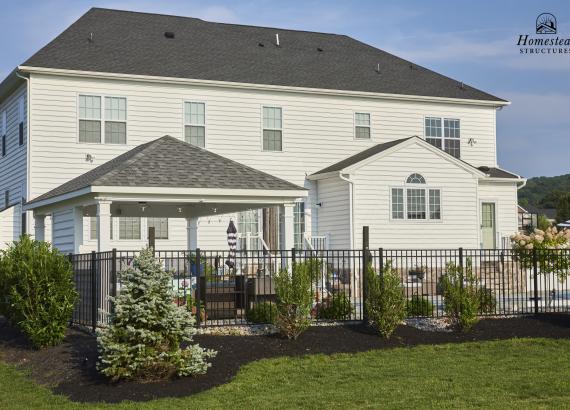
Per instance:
{"type": "Point", "coordinates": [488, 225]}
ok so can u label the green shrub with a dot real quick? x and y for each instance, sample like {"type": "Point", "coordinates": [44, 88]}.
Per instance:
{"type": "Point", "coordinates": [147, 330]}
{"type": "Point", "coordinates": [487, 300]}
{"type": "Point", "coordinates": [385, 302]}
{"type": "Point", "coordinates": [294, 299]}
{"type": "Point", "coordinates": [37, 293]}
{"type": "Point", "coordinates": [265, 312]}
{"type": "Point", "coordinates": [419, 306]}
{"type": "Point", "coordinates": [461, 296]}
{"type": "Point", "coordinates": [336, 307]}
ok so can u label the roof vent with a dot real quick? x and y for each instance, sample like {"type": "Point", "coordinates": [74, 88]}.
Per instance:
{"type": "Point", "coordinates": [169, 34]}
{"type": "Point", "coordinates": [461, 85]}
{"type": "Point", "coordinates": [277, 40]}
{"type": "Point", "coordinates": [261, 44]}
{"type": "Point", "coordinates": [90, 38]}
{"type": "Point", "coordinates": [377, 68]}
{"type": "Point", "coordinates": [320, 50]}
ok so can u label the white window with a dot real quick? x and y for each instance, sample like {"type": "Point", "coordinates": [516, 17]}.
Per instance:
{"type": "Point", "coordinates": [115, 120]}
{"type": "Point", "coordinates": [434, 204]}
{"type": "Point", "coordinates": [421, 202]}
{"type": "Point", "coordinates": [397, 203]}
{"type": "Point", "coordinates": [195, 123]}
{"type": "Point", "coordinates": [448, 139]}
{"type": "Point", "coordinates": [416, 203]}
{"type": "Point", "coordinates": [91, 119]}
{"type": "Point", "coordinates": [129, 227]}
{"type": "Point", "coordinates": [272, 129]}
{"type": "Point", "coordinates": [298, 224]}
{"type": "Point", "coordinates": [160, 226]}
{"type": "Point", "coordinates": [362, 126]}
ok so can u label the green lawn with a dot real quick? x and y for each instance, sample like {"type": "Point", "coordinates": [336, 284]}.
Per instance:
{"type": "Point", "coordinates": [523, 373]}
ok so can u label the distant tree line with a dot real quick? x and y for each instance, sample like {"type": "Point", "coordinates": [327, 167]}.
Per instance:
{"type": "Point", "coordinates": [548, 192]}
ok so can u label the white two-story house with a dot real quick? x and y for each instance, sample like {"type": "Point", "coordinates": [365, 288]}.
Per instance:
{"type": "Point", "coordinates": [128, 121]}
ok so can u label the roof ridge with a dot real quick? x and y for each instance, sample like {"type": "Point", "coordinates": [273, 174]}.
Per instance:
{"type": "Point", "coordinates": [216, 22]}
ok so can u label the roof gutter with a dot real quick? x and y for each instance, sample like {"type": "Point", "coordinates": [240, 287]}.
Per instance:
{"type": "Point", "coordinates": [262, 87]}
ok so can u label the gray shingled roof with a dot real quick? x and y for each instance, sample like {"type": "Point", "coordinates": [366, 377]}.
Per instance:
{"type": "Point", "coordinates": [134, 43]}
{"type": "Point", "coordinates": [361, 156]}
{"type": "Point", "coordinates": [170, 162]}
{"type": "Point", "coordinates": [497, 172]}
{"type": "Point", "coordinates": [376, 149]}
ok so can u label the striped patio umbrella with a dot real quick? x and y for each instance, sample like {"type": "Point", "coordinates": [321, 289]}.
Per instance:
{"type": "Point", "coordinates": [232, 243]}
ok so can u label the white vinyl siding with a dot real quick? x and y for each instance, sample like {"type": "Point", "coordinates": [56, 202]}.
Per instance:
{"type": "Point", "coordinates": [160, 226]}
{"type": "Point", "coordinates": [334, 212]}
{"type": "Point", "coordinates": [195, 123]}
{"type": "Point", "coordinates": [362, 126]}
{"type": "Point", "coordinates": [272, 129]}
{"type": "Point", "coordinates": [318, 131]}
{"type": "Point", "coordinates": [373, 185]}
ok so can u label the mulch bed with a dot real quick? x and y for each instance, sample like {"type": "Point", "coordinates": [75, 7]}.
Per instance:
{"type": "Point", "coordinates": [69, 369]}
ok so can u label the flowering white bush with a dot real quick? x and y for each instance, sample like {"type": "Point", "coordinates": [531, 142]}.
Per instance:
{"type": "Point", "coordinates": [144, 340]}
{"type": "Point", "coordinates": [551, 246]}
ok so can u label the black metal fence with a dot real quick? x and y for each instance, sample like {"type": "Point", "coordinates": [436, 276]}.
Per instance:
{"type": "Point", "coordinates": [223, 289]}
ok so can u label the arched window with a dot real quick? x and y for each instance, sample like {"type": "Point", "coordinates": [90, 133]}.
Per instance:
{"type": "Point", "coordinates": [415, 179]}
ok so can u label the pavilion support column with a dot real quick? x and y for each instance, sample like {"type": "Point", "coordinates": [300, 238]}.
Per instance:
{"type": "Point", "coordinates": [192, 233]}
{"type": "Point", "coordinates": [288, 226]}
{"type": "Point", "coordinates": [40, 227]}
{"type": "Point", "coordinates": [103, 225]}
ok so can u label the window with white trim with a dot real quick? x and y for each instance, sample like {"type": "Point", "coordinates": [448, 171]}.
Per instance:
{"type": "Point", "coordinates": [397, 203]}
{"type": "Point", "coordinates": [195, 123]}
{"type": "Point", "coordinates": [90, 119]}
{"type": "Point", "coordinates": [362, 126]}
{"type": "Point", "coordinates": [160, 226]}
{"type": "Point", "coordinates": [444, 134]}
{"type": "Point", "coordinates": [298, 224]}
{"type": "Point", "coordinates": [272, 129]}
{"type": "Point", "coordinates": [129, 227]}
{"type": "Point", "coordinates": [115, 120]}
{"type": "Point", "coordinates": [415, 201]}
{"type": "Point", "coordinates": [102, 119]}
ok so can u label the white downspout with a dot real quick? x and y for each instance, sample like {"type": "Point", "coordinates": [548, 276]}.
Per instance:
{"type": "Point", "coordinates": [351, 208]}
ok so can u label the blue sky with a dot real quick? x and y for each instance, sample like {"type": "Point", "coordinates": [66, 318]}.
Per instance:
{"type": "Point", "coordinates": [473, 42]}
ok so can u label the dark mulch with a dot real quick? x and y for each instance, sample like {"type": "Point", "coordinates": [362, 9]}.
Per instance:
{"type": "Point", "coordinates": [69, 369]}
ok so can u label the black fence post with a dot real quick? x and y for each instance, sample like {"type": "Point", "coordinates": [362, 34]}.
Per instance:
{"type": "Point", "coordinates": [365, 263]}
{"type": "Point", "coordinates": [114, 275]}
{"type": "Point", "coordinates": [462, 279]}
{"type": "Point", "coordinates": [198, 288]}
{"type": "Point", "coordinates": [293, 259]}
{"type": "Point", "coordinates": [94, 290]}
{"type": "Point", "coordinates": [76, 285]}
{"type": "Point", "coordinates": [535, 279]}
